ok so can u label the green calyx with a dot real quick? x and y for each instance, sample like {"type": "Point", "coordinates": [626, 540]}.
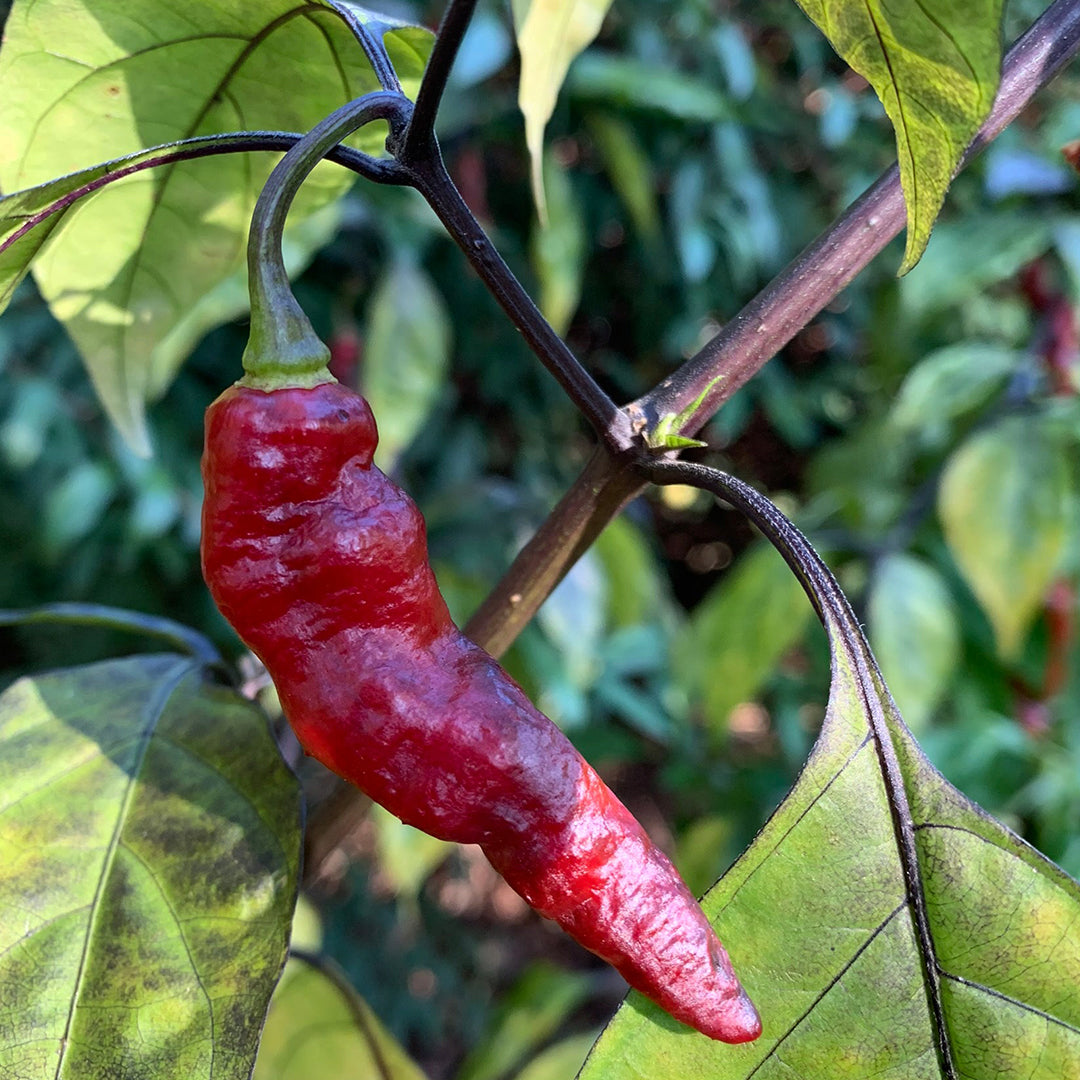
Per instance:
{"type": "Point", "coordinates": [283, 349]}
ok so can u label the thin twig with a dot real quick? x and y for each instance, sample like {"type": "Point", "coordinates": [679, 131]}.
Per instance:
{"type": "Point", "coordinates": [175, 634]}
{"type": "Point", "coordinates": [420, 135]}
{"type": "Point", "coordinates": [431, 179]}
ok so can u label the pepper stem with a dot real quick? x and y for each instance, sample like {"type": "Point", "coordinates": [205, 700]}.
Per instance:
{"type": "Point", "coordinates": [283, 348]}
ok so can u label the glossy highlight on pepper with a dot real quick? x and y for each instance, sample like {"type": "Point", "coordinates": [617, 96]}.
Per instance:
{"type": "Point", "coordinates": [320, 563]}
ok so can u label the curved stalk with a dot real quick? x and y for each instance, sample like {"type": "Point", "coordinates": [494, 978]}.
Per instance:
{"type": "Point", "coordinates": [283, 347]}
{"type": "Point", "coordinates": [845, 637]}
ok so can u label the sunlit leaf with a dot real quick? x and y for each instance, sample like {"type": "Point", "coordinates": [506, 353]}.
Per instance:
{"type": "Point", "coordinates": [405, 357]}
{"type": "Point", "coordinates": [884, 925]}
{"type": "Point", "coordinates": [89, 82]}
{"type": "Point", "coordinates": [935, 68]}
{"type": "Point", "coordinates": [1004, 506]}
{"type": "Point", "coordinates": [550, 33]}
{"type": "Point", "coordinates": [913, 627]}
{"type": "Point", "coordinates": [319, 1028]}
{"type": "Point", "coordinates": [149, 852]}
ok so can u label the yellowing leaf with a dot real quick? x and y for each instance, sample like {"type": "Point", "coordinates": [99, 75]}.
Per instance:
{"type": "Point", "coordinates": [149, 854]}
{"type": "Point", "coordinates": [936, 68]}
{"type": "Point", "coordinates": [550, 34]}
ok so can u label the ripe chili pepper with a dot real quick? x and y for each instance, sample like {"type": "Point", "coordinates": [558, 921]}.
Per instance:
{"type": "Point", "coordinates": [320, 563]}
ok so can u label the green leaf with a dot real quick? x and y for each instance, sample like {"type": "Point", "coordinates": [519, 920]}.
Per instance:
{"type": "Point", "coordinates": [936, 69]}
{"type": "Point", "coordinates": [664, 435]}
{"type": "Point", "coordinates": [884, 925]}
{"type": "Point", "coordinates": [75, 506]}
{"type": "Point", "coordinates": [913, 628]}
{"type": "Point", "coordinates": [1004, 504]}
{"type": "Point", "coordinates": [149, 852]}
{"type": "Point", "coordinates": [528, 1015]}
{"type": "Point", "coordinates": [88, 82]}
{"type": "Point", "coordinates": [406, 356]}
{"type": "Point", "coordinates": [736, 635]}
{"type": "Point", "coordinates": [558, 249]}
{"type": "Point", "coordinates": [550, 33]}
{"type": "Point", "coordinates": [319, 1028]}
{"type": "Point", "coordinates": [949, 383]}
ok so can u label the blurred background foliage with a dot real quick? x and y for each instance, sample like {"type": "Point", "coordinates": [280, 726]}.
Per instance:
{"type": "Point", "coordinates": [923, 431]}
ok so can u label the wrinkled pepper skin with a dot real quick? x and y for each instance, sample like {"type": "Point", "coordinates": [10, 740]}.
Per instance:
{"type": "Point", "coordinates": [320, 563]}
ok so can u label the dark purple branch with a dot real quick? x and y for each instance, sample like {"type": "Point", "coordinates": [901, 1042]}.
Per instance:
{"type": "Point", "coordinates": [830, 263]}
{"type": "Point", "coordinates": [431, 179]}
{"type": "Point", "coordinates": [420, 135]}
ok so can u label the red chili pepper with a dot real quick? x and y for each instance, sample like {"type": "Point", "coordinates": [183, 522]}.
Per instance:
{"type": "Point", "coordinates": [320, 563]}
